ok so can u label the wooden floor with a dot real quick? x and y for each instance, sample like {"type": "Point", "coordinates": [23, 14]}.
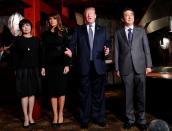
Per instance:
{"type": "Point", "coordinates": [9, 121]}
{"type": "Point", "coordinates": [158, 103]}
{"type": "Point", "coordinates": [11, 116]}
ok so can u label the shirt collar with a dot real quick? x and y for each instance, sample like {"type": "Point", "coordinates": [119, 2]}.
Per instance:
{"type": "Point", "coordinates": [93, 25]}
{"type": "Point", "coordinates": [127, 27]}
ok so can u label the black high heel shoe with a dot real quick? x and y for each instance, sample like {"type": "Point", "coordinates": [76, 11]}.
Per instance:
{"type": "Point", "coordinates": [25, 126]}
{"type": "Point", "coordinates": [60, 124]}
{"type": "Point", "coordinates": [55, 125]}
{"type": "Point", "coordinates": [32, 124]}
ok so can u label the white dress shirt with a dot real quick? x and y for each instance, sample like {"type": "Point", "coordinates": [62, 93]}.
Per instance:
{"type": "Point", "coordinates": [92, 27]}
{"type": "Point", "coordinates": [126, 30]}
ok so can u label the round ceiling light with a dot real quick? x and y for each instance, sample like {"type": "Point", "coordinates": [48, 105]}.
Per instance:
{"type": "Point", "coordinates": [164, 43]}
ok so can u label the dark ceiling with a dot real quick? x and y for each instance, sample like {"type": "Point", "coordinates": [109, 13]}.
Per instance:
{"type": "Point", "coordinates": [7, 7]}
{"type": "Point", "coordinates": [109, 8]}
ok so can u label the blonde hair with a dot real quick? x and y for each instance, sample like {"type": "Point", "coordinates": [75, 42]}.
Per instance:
{"type": "Point", "coordinates": [89, 8]}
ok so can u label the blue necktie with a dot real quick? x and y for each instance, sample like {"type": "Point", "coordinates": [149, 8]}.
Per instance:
{"type": "Point", "coordinates": [130, 36]}
{"type": "Point", "coordinates": [90, 35]}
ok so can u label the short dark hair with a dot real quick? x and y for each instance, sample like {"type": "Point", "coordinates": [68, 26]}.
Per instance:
{"type": "Point", "coordinates": [126, 9]}
{"type": "Point", "coordinates": [24, 21]}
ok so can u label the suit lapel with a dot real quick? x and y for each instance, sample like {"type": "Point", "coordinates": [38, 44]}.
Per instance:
{"type": "Point", "coordinates": [134, 34]}
{"type": "Point", "coordinates": [123, 34]}
{"type": "Point", "coordinates": [86, 35]}
{"type": "Point", "coordinates": [95, 35]}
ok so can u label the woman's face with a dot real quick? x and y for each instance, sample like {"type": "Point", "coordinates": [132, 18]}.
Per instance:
{"type": "Point", "coordinates": [26, 28]}
{"type": "Point", "coordinates": [53, 21]}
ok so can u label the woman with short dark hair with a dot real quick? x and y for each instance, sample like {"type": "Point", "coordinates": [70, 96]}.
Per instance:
{"type": "Point", "coordinates": [26, 64]}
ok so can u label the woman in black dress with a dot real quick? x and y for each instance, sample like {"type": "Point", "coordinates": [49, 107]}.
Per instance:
{"type": "Point", "coordinates": [56, 65]}
{"type": "Point", "coordinates": [26, 63]}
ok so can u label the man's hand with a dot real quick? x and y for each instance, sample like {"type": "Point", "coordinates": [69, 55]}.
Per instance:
{"type": "Point", "coordinates": [68, 52]}
{"type": "Point", "coordinates": [106, 50]}
{"type": "Point", "coordinates": [117, 73]}
{"type": "Point", "coordinates": [148, 70]}
{"type": "Point", "coordinates": [43, 71]}
{"type": "Point", "coordinates": [66, 70]}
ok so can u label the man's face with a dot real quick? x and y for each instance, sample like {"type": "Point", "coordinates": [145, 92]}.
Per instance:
{"type": "Point", "coordinates": [128, 17]}
{"type": "Point", "coordinates": [90, 16]}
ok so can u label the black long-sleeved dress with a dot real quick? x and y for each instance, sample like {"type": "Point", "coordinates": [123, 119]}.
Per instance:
{"type": "Point", "coordinates": [54, 60]}
{"type": "Point", "coordinates": [26, 65]}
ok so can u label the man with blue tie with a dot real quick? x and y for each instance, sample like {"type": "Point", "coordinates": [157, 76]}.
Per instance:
{"type": "Point", "coordinates": [132, 63]}
{"type": "Point", "coordinates": [91, 43]}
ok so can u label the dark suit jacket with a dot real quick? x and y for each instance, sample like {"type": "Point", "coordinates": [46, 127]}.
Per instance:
{"type": "Point", "coordinates": [80, 44]}
{"type": "Point", "coordinates": [137, 54]}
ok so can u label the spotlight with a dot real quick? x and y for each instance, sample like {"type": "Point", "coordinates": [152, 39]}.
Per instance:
{"type": "Point", "coordinates": [164, 43]}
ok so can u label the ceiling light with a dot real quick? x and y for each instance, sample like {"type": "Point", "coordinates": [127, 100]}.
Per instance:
{"type": "Point", "coordinates": [164, 43]}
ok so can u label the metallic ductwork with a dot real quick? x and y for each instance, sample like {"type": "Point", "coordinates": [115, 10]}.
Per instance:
{"type": "Point", "coordinates": [157, 16]}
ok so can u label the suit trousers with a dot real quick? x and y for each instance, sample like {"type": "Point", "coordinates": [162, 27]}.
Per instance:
{"type": "Point", "coordinates": [92, 97]}
{"type": "Point", "coordinates": [134, 97]}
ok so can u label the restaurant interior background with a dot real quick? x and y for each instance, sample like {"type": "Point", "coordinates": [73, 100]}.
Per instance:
{"type": "Point", "coordinates": [155, 16]}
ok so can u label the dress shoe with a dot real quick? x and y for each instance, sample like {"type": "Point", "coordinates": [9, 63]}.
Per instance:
{"type": "Point", "coordinates": [102, 124]}
{"type": "Point", "coordinates": [128, 125]}
{"type": "Point", "coordinates": [84, 125]}
{"type": "Point", "coordinates": [60, 124]}
{"type": "Point", "coordinates": [142, 127]}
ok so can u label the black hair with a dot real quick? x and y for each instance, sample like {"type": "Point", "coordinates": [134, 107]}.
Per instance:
{"type": "Point", "coordinates": [23, 22]}
{"type": "Point", "coordinates": [126, 9]}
